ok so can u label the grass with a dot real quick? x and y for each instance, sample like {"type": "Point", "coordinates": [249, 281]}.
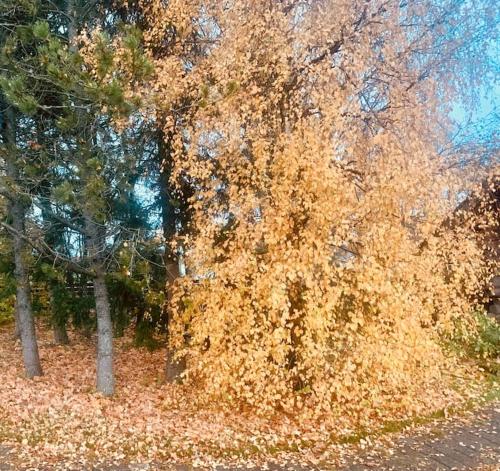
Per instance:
{"type": "Point", "coordinates": [490, 394]}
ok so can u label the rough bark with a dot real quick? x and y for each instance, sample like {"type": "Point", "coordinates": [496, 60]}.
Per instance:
{"type": "Point", "coordinates": [105, 376]}
{"type": "Point", "coordinates": [17, 331]}
{"type": "Point", "coordinates": [173, 368]}
{"type": "Point", "coordinates": [168, 215]}
{"type": "Point", "coordinates": [25, 323]}
{"type": "Point", "coordinates": [95, 247]}
{"type": "Point", "coordinates": [60, 334]}
{"type": "Point", "coordinates": [23, 298]}
{"type": "Point", "coordinates": [58, 324]}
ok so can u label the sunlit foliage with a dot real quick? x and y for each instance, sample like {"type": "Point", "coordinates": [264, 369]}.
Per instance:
{"type": "Point", "coordinates": [326, 268]}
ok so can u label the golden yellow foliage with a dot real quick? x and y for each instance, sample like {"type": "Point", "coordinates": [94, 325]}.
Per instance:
{"type": "Point", "coordinates": [313, 133]}
{"type": "Point", "coordinates": [327, 269]}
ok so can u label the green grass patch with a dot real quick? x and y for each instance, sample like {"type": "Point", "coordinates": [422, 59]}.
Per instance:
{"type": "Point", "coordinates": [490, 394]}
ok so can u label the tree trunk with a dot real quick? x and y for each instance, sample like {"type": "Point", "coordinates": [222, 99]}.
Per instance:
{"type": "Point", "coordinates": [58, 324]}
{"type": "Point", "coordinates": [25, 324]}
{"type": "Point", "coordinates": [17, 331]}
{"type": "Point", "coordinates": [95, 246]}
{"type": "Point", "coordinates": [173, 368]}
{"type": "Point", "coordinates": [24, 314]}
{"type": "Point", "coordinates": [60, 334]}
{"type": "Point", "coordinates": [105, 377]}
{"type": "Point", "coordinates": [164, 160]}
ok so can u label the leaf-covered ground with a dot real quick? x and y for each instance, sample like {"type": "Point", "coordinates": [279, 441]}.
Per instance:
{"type": "Point", "coordinates": [59, 418]}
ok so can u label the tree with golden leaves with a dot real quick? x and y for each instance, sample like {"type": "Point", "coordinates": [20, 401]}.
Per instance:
{"type": "Point", "coordinates": [315, 136]}
{"type": "Point", "coordinates": [326, 276]}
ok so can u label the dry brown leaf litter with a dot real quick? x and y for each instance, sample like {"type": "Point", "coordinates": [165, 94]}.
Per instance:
{"type": "Point", "coordinates": [59, 418]}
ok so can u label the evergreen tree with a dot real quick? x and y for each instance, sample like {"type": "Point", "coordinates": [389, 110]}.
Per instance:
{"type": "Point", "coordinates": [80, 174]}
